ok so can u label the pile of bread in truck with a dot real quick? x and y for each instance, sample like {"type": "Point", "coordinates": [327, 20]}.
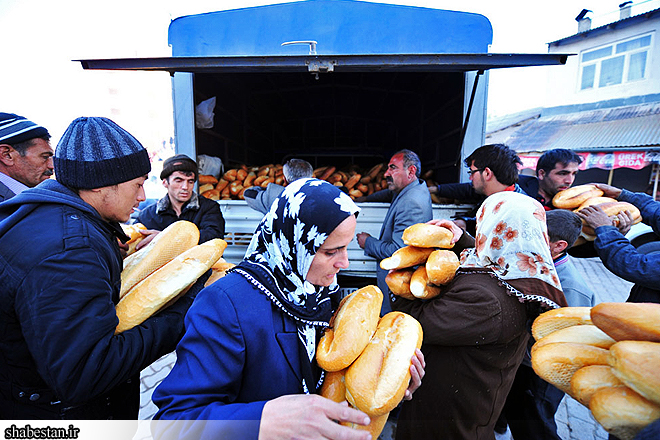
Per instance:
{"type": "Point", "coordinates": [357, 181]}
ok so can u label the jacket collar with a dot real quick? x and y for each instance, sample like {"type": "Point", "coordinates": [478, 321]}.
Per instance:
{"type": "Point", "coordinates": [164, 204]}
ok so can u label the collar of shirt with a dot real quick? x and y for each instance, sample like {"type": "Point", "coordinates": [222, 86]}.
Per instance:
{"type": "Point", "coordinates": [164, 203]}
{"type": "Point", "coordinates": [14, 185]}
{"type": "Point", "coordinates": [561, 259]}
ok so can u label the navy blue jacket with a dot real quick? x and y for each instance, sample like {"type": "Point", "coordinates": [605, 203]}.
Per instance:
{"type": "Point", "coordinates": [239, 351]}
{"type": "Point", "coordinates": [59, 282]}
{"type": "Point", "coordinates": [624, 260]}
{"type": "Point", "coordinates": [201, 211]}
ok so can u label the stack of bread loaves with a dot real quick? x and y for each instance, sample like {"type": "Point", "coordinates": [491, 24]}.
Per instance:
{"type": "Point", "coordinates": [606, 357]}
{"type": "Point", "coordinates": [581, 196]}
{"type": "Point", "coordinates": [419, 269]}
{"type": "Point", "coordinates": [233, 183]}
{"type": "Point", "coordinates": [156, 275]}
{"type": "Point", "coordinates": [368, 359]}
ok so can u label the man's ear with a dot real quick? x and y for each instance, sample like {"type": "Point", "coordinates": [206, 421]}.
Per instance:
{"type": "Point", "coordinates": [412, 170]}
{"type": "Point", "coordinates": [487, 174]}
{"type": "Point", "coordinates": [5, 154]}
{"type": "Point", "coordinates": [557, 247]}
{"type": "Point", "coordinates": [165, 183]}
{"type": "Point", "coordinates": [540, 174]}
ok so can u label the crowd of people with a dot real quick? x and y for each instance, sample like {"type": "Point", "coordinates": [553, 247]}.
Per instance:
{"type": "Point", "coordinates": [246, 344]}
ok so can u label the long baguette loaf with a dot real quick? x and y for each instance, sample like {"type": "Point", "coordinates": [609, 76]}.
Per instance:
{"type": "Point", "coordinates": [377, 380]}
{"type": "Point", "coordinates": [151, 294]}
{"type": "Point", "coordinates": [399, 282]}
{"type": "Point", "coordinates": [374, 428]}
{"type": "Point", "coordinates": [637, 364]}
{"type": "Point", "coordinates": [557, 362]}
{"type": "Point", "coordinates": [351, 327]}
{"type": "Point", "coordinates": [628, 321]}
{"type": "Point", "coordinates": [407, 256]}
{"type": "Point", "coordinates": [172, 241]}
{"type": "Point", "coordinates": [622, 412]}
{"type": "Point", "coordinates": [612, 209]}
{"type": "Point", "coordinates": [441, 267]}
{"type": "Point", "coordinates": [425, 235]}
{"type": "Point", "coordinates": [588, 380]}
{"type": "Point", "coordinates": [558, 319]}
{"type": "Point", "coordinates": [595, 201]}
{"type": "Point", "coordinates": [573, 197]}
{"type": "Point", "coordinates": [420, 286]}
{"type": "Point", "coordinates": [581, 334]}
{"type": "Point", "coordinates": [334, 387]}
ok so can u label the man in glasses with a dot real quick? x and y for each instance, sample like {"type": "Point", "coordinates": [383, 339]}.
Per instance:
{"type": "Point", "coordinates": [492, 168]}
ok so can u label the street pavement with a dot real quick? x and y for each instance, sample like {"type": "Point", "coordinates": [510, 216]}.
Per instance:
{"type": "Point", "coordinates": [574, 421]}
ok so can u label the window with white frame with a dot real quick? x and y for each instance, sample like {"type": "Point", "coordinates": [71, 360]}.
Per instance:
{"type": "Point", "coordinates": [617, 63]}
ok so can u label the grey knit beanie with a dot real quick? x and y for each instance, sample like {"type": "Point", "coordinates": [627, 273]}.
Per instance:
{"type": "Point", "coordinates": [95, 152]}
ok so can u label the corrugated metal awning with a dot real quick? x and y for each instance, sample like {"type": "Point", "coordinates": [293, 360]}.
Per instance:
{"type": "Point", "coordinates": [598, 130]}
{"type": "Point", "coordinates": [338, 63]}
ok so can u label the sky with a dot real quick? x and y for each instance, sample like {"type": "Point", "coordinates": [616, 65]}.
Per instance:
{"type": "Point", "coordinates": [39, 80]}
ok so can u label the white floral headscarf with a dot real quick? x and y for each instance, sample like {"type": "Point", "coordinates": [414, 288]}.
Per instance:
{"type": "Point", "coordinates": [512, 241]}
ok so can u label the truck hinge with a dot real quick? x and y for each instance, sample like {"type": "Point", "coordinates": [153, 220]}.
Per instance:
{"type": "Point", "coordinates": [319, 66]}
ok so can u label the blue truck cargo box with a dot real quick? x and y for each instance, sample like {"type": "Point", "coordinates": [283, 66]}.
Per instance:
{"type": "Point", "coordinates": [341, 27]}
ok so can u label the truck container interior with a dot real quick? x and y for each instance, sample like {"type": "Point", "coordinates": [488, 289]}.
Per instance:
{"type": "Point", "coordinates": [335, 119]}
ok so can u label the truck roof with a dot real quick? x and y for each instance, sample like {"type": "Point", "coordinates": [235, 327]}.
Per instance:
{"type": "Point", "coordinates": [338, 26]}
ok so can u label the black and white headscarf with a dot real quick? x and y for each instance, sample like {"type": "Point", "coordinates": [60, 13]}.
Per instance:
{"type": "Point", "coordinates": [281, 253]}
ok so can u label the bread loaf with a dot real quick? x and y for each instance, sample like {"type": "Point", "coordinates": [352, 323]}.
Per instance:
{"type": "Point", "coordinates": [622, 412]}
{"type": "Point", "coordinates": [573, 197]}
{"type": "Point", "coordinates": [156, 290]}
{"type": "Point", "coordinates": [426, 235]}
{"type": "Point", "coordinates": [377, 380]}
{"type": "Point", "coordinates": [637, 364]}
{"type": "Point", "coordinates": [420, 286]}
{"type": "Point", "coordinates": [219, 269]}
{"type": "Point", "coordinates": [557, 362]}
{"type": "Point", "coordinates": [134, 236]}
{"type": "Point", "coordinates": [628, 321]}
{"type": "Point", "coordinates": [172, 241]}
{"type": "Point", "coordinates": [207, 179]}
{"type": "Point", "coordinates": [558, 319]}
{"type": "Point", "coordinates": [375, 427]}
{"type": "Point", "coordinates": [407, 256]}
{"type": "Point", "coordinates": [399, 282]}
{"type": "Point", "coordinates": [581, 334]}
{"type": "Point", "coordinates": [441, 267]}
{"type": "Point", "coordinates": [612, 209]}
{"type": "Point", "coordinates": [351, 327]}
{"type": "Point", "coordinates": [590, 379]}
{"type": "Point", "coordinates": [594, 201]}
{"type": "Point", "coordinates": [334, 387]}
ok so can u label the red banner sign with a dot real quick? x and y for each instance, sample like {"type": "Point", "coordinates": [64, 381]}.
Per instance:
{"type": "Point", "coordinates": [607, 161]}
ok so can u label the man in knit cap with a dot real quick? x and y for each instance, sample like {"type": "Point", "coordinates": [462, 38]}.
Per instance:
{"type": "Point", "coordinates": [181, 203]}
{"type": "Point", "coordinates": [60, 269]}
{"type": "Point", "coordinates": [26, 158]}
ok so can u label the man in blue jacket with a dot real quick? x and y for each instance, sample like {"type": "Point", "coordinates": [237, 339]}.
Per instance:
{"type": "Point", "coordinates": [617, 253]}
{"type": "Point", "coordinates": [410, 203]}
{"type": "Point", "coordinates": [182, 203]}
{"type": "Point", "coordinates": [60, 269]}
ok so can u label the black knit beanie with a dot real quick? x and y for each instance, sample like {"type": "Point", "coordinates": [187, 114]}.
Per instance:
{"type": "Point", "coordinates": [180, 162]}
{"type": "Point", "coordinates": [95, 152]}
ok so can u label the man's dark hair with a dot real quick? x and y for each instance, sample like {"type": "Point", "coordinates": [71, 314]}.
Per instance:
{"type": "Point", "coordinates": [501, 160]}
{"type": "Point", "coordinates": [410, 158]}
{"type": "Point", "coordinates": [22, 147]}
{"type": "Point", "coordinates": [551, 158]}
{"type": "Point", "coordinates": [563, 225]}
{"type": "Point", "coordinates": [295, 169]}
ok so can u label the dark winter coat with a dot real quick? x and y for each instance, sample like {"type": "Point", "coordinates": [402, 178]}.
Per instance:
{"type": "Point", "coordinates": [59, 283]}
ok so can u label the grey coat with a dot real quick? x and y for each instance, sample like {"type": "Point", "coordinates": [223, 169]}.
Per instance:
{"type": "Point", "coordinates": [411, 205]}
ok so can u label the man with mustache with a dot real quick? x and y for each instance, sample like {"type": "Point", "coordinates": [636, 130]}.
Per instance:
{"type": "Point", "coordinates": [26, 157]}
{"type": "Point", "coordinates": [410, 203]}
{"type": "Point", "coordinates": [181, 203]}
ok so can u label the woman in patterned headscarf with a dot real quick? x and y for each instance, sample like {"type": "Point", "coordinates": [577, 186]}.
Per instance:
{"type": "Point", "coordinates": [249, 349]}
{"type": "Point", "coordinates": [476, 330]}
